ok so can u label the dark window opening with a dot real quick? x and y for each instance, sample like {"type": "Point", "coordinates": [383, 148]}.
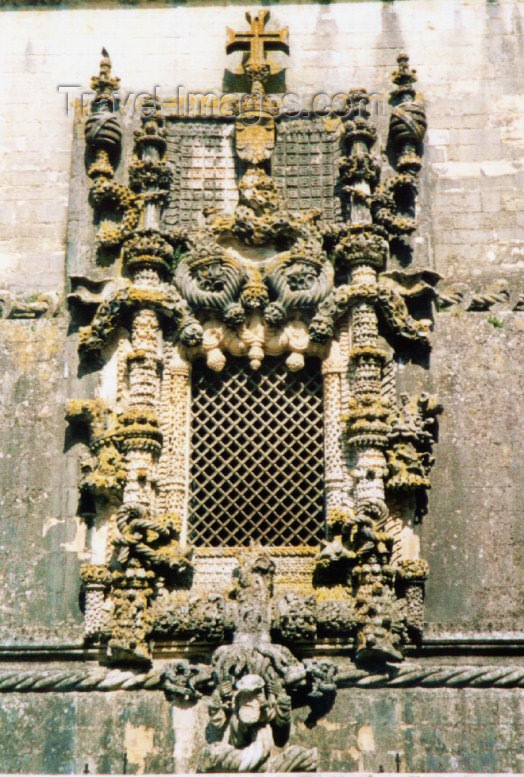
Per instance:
{"type": "Point", "coordinates": [257, 455]}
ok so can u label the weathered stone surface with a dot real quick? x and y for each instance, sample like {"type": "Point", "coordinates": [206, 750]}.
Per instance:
{"type": "Point", "coordinates": [470, 67]}
{"type": "Point", "coordinates": [363, 732]}
{"type": "Point", "coordinates": [87, 733]}
{"type": "Point", "coordinates": [41, 540]}
{"type": "Point", "coordinates": [477, 581]}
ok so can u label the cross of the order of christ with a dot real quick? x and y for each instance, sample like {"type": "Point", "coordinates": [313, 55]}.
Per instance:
{"type": "Point", "coordinates": [257, 40]}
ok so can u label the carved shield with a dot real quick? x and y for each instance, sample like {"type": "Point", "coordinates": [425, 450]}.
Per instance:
{"type": "Point", "coordinates": [255, 136]}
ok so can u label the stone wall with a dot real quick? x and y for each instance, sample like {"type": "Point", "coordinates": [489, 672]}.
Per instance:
{"type": "Point", "coordinates": [365, 731]}
{"type": "Point", "coordinates": [473, 535]}
{"type": "Point", "coordinates": [41, 540]}
{"type": "Point", "coordinates": [470, 62]}
{"type": "Point", "coordinates": [104, 733]}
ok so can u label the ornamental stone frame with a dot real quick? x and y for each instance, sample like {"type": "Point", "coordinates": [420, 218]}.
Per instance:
{"type": "Point", "coordinates": [185, 281]}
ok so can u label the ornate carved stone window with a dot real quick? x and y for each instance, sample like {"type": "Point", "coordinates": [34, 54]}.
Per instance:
{"type": "Point", "coordinates": [251, 430]}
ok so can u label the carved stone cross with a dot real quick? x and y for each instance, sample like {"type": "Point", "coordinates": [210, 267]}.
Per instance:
{"type": "Point", "coordinates": [257, 40]}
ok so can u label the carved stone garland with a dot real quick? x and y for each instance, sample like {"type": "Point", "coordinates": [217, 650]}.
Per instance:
{"type": "Point", "coordinates": [215, 294]}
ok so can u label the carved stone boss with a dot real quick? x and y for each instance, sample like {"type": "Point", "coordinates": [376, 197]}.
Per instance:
{"type": "Point", "coordinates": [260, 281]}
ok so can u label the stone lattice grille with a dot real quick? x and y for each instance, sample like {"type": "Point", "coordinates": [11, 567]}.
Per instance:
{"type": "Point", "coordinates": [257, 464]}
{"type": "Point", "coordinates": [305, 166]}
{"type": "Point", "coordinates": [204, 167]}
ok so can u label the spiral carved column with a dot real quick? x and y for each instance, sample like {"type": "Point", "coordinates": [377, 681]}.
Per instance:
{"type": "Point", "coordinates": [332, 369]}
{"type": "Point", "coordinates": [175, 411]}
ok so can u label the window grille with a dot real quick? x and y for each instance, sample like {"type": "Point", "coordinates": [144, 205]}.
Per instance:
{"type": "Point", "coordinates": [257, 460]}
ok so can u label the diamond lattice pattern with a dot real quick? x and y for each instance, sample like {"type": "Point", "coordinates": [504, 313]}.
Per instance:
{"type": "Point", "coordinates": [257, 455]}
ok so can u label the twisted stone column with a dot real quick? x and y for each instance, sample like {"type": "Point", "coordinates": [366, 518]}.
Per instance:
{"type": "Point", "coordinates": [333, 369]}
{"type": "Point", "coordinates": [370, 467]}
{"type": "Point", "coordinates": [139, 422]}
{"type": "Point", "coordinates": [175, 412]}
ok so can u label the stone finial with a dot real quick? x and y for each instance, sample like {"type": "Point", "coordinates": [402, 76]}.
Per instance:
{"type": "Point", "coordinates": [104, 83]}
{"type": "Point", "coordinates": [403, 78]}
{"type": "Point", "coordinates": [405, 74]}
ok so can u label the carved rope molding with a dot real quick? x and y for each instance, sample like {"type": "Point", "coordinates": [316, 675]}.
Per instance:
{"type": "Point", "coordinates": [498, 296]}
{"type": "Point", "coordinates": [405, 676]}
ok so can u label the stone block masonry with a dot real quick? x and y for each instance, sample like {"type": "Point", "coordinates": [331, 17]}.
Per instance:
{"type": "Point", "coordinates": [456, 704]}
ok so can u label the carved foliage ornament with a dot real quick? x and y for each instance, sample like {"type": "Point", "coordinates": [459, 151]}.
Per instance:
{"type": "Point", "coordinates": [259, 281]}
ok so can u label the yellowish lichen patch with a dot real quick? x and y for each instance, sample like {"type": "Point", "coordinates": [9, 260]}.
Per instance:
{"type": "Point", "coordinates": [138, 743]}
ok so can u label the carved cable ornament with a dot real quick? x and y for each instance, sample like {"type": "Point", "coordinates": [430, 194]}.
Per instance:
{"type": "Point", "coordinates": [257, 282]}
{"type": "Point", "coordinates": [188, 682]}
